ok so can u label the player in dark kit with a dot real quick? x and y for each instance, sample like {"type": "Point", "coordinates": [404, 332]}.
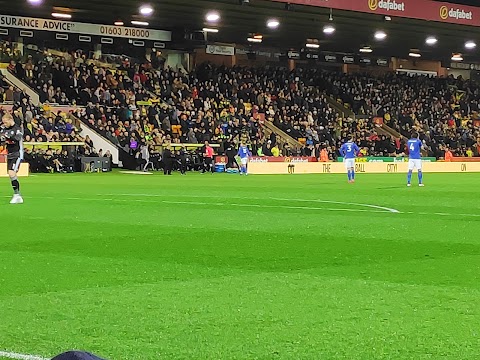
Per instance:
{"type": "Point", "coordinates": [12, 135]}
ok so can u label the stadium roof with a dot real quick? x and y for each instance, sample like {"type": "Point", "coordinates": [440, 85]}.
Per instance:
{"type": "Point", "coordinates": [465, 2]}
{"type": "Point", "coordinates": [238, 21]}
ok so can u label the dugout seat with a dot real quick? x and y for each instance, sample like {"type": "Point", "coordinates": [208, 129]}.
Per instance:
{"type": "Point", "coordinates": [177, 129]}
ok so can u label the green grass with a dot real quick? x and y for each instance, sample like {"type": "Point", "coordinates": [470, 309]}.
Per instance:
{"type": "Point", "coordinates": [184, 274]}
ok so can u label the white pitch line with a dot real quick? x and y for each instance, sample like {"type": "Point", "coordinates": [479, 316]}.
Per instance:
{"type": "Point", "coordinates": [272, 198]}
{"type": "Point", "coordinates": [438, 214]}
{"type": "Point", "coordinates": [229, 204]}
{"type": "Point", "coordinates": [12, 355]}
{"type": "Point", "coordinates": [299, 200]}
{"type": "Point", "coordinates": [270, 206]}
{"type": "Point", "coordinates": [341, 203]}
{"type": "Point", "coordinates": [386, 210]}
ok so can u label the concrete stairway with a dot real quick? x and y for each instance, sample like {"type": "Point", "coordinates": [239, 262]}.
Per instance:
{"type": "Point", "coordinates": [12, 79]}
{"type": "Point", "coordinates": [340, 108]}
{"type": "Point", "coordinates": [282, 137]}
{"type": "Point", "coordinates": [387, 130]}
{"type": "Point", "coordinates": [99, 141]}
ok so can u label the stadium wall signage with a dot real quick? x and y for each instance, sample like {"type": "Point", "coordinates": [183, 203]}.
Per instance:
{"type": "Point", "coordinates": [283, 159]}
{"type": "Point", "coordinates": [330, 58]}
{"type": "Point", "coordinates": [293, 55]}
{"type": "Point", "coordinates": [338, 58]}
{"type": "Point", "coordinates": [365, 61]}
{"type": "Point", "coordinates": [387, 159]}
{"type": "Point", "coordinates": [23, 171]}
{"type": "Point", "coordinates": [268, 54]}
{"type": "Point", "coordinates": [223, 160]}
{"type": "Point", "coordinates": [274, 168]}
{"type": "Point", "coordinates": [312, 56]}
{"type": "Point", "coordinates": [464, 66]}
{"type": "Point", "coordinates": [220, 50]}
{"type": "Point", "coordinates": [414, 9]}
{"type": "Point", "coordinates": [20, 22]}
{"type": "Point", "coordinates": [383, 62]}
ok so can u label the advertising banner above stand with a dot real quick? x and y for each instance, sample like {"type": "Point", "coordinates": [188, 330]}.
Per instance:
{"type": "Point", "coordinates": [413, 9]}
{"type": "Point", "coordinates": [337, 58]}
{"type": "Point", "coordinates": [61, 26]}
{"type": "Point", "coordinates": [220, 50]}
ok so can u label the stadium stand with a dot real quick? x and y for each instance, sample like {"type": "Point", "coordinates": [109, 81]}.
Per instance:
{"type": "Point", "coordinates": [225, 105]}
{"type": "Point", "coordinates": [443, 110]}
{"type": "Point", "coordinates": [52, 140]}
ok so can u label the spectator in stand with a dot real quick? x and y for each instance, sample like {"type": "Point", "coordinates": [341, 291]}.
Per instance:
{"type": "Point", "coordinates": [9, 94]}
{"type": "Point", "coordinates": [448, 155]}
{"type": "Point", "coordinates": [108, 154]}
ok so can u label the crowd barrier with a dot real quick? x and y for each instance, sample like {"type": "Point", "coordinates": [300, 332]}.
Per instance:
{"type": "Point", "coordinates": [367, 168]}
{"type": "Point", "coordinates": [185, 145]}
{"type": "Point", "coordinates": [464, 159]}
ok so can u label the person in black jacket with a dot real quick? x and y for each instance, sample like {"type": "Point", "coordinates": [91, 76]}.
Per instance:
{"type": "Point", "coordinates": [231, 152]}
{"type": "Point", "coordinates": [182, 159]}
{"type": "Point", "coordinates": [167, 161]}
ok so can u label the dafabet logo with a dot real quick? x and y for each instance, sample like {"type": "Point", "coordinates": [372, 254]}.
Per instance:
{"type": "Point", "coordinates": [386, 5]}
{"type": "Point", "coordinates": [444, 13]}
{"type": "Point", "coordinates": [452, 13]}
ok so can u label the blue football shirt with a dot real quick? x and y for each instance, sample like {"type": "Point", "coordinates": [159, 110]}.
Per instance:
{"type": "Point", "coordinates": [244, 152]}
{"type": "Point", "coordinates": [349, 150]}
{"type": "Point", "coordinates": [414, 149]}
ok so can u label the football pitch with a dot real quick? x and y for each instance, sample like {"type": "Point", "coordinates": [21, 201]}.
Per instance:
{"type": "Point", "coordinates": [134, 267]}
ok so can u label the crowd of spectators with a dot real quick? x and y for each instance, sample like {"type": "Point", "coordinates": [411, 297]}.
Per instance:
{"type": "Point", "coordinates": [216, 104]}
{"type": "Point", "coordinates": [42, 126]}
{"type": "Point", "coordinates": [443, 110]}
{"type": "Point", "coordinates": [147, 104]}
{"type": "Point", "coordinates": [190, 111]}
{"type": "Point", "coordinates": [42, 130]}
{"type": "Point", "coordinates": [9, 51]}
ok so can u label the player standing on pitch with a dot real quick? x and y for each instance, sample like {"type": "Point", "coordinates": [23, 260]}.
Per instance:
{"type": "Point", "coordinates": [414, 159]}
{"type": "Point", "coordinates": [12, 135]}
{"type": "Point", "coordinates": [349, 151]}
{"type": "Point", "coordinates": [244, 153]}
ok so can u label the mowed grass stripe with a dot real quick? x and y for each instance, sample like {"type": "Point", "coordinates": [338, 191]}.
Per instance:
{"type": "Point", "coordinates": [140, 280]}
{"type": "Point", "coordinates": [292, 315]}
